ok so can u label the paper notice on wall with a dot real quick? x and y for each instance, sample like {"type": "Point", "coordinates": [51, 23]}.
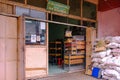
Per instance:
{"type": "Point", "coordinates": [33, 38]}
{"type": "Point", "coordinates": [38, 38]}
{"type": "Point", "coordinates": [42, 25]}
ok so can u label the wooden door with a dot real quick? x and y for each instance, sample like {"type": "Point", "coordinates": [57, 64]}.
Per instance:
{"type": "Point", "coordinates": [33, 58]}
{"type": "Point", "coordinates": [8, 48]}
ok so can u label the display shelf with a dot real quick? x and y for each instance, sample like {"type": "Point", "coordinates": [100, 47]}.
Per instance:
{"type": "Point", "coordinates": [76, 61]}
{"type": "Point", "coordinates": [55, 51]}
{"type": "Point", "coordinates": [74, 56]}
{"type": "Point", "coordinates": [74, 53]}
{"type": "Point", "coordinates": [52, 54]}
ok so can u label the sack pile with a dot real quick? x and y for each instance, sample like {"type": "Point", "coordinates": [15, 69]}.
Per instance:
{"type": "Point", "coordinates": [108, 59]}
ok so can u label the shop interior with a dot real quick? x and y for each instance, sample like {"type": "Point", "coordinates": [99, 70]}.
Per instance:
{"type": "Point", "coordinates": [66, 46]}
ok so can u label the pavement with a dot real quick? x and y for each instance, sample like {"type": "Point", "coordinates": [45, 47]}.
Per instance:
{"type": "Point", "coordinates": [70, 76]}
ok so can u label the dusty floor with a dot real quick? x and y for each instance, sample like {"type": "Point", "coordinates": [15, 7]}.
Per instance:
{"type": "Point", "coordinates": [70, 76]}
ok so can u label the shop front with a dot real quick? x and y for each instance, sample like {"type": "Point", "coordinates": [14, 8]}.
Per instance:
{"type": "Point", "coordinates": [36, 43]}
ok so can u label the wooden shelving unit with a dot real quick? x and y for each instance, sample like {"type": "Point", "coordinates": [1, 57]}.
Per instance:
{"type": "Point", "coordinates": [74, 53]}
{"type": "Point", "coordinates": [55, 51]}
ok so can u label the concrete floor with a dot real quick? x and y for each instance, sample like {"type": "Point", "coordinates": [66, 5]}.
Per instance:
{"type": "Point", "coordinates": [70, 76]}
{"type": "Point", "coordinates": [55, 69]}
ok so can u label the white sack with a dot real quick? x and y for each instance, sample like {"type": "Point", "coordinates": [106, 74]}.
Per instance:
{"type": "Point", "coordinates": [116, 50]}
{"type": "Point", "coordinates": [96, 60]}
{"type": "Point", "coordinates": [108, 38]}
{"type": "Point", "coordinates": [112, 72]}
{"type": "Point", "coordinates": [119, 45]}
{"type": "Point", "coordinates": [114, 61]}
{"type": "Point", "coordinates": [101, 54]}
{"type": "Point", "coordinates": [113, 45]}
{"type": "Point", "coordinates": [109, 78]}
{"type": "Point", "coordinates": [117, 69]}
{"type": "Point", "coordinates": [108, 52]}
{"type": "Point", "coordinates": [116, 39]}
{"type": "Point", "coordinates": [95, 64]}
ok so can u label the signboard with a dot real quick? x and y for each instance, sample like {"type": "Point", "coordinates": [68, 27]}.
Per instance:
{"type": "Point", "coordinates": [58, 7]}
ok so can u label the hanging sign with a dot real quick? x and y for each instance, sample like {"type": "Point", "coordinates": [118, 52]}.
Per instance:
{"type": "Point", "coordinates": [58, 7]}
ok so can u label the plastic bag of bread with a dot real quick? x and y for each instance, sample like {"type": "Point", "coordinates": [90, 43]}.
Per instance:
{"type": "Point", "coordinates": [68, 34]}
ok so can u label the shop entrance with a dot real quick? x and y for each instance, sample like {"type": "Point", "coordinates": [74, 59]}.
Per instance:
{"type": "Point", "coordinates": [65, 40]}
{"type": "Point", "coordinates": [66, 46]}
{"type": "Point", "coordinates": [56, 48]}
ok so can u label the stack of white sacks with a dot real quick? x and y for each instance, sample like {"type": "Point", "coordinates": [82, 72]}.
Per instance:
{"type": "Point", "coordinates": [109, 60]}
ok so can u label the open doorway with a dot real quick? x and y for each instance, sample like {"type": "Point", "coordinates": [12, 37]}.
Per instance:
{"type": "Point", "coordinates": [56, 48]}
{"type": "Point", "coordinates": [66, 46]}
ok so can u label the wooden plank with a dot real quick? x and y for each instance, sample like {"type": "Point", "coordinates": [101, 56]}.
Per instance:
{"type": "Point", "coordinates": [9, 9]}
{"type": "Point", "coordinates": [90, 38]}
{"type": "Point", "coordinates": [37, 74]}
{"type": "Point", "coordinates": [11, 49]}
{"type": "Point", "coordinates": [32, 69]}
{"type": "Point", "coordinates": [11, 70]}
{"type": "Point", "coordinates": [90, 20]}
{"type": "Point", "coordinates": [2, 47]}
{"type": "Point", "coordinates": [93, 1]}
{"type": "Point", "coordinates": [2, 26]}
{"type": "Point", "coordinates": [20, 28]}
{"type": "Point", "coordinates": [88, 34]}
{"type": "Point", "coordinates": [2, 71]}
{"type": "Point", "coordinates": [25, 1]}
{"type": "Point", "coordinates": [21, 55]}
{"type": "Point", "coordinates": [11, 27]}
{"type": "Point", "coordinates": [76, 61]}
{"type": "Point", "coordinates": [80, 42]}
{"type": "Point", "coordinates": [0, 7]}
{"type": "Point", "coordinates": [47, 43]}
{"type": "Point", "coordinates": [4, 8]}
{"type": "Point", "coordinates": [81, 11]}
{"type": "Point", "coordinates": [35, 57]}
{"type": "Point", "coordinates": [2, 0]}
{"type": "Point", "coordinates": [2, 50]}
{"type": "Point", "coordinates": [74, 57]}
{"type": "Point", "coordinates": [81, 47]}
